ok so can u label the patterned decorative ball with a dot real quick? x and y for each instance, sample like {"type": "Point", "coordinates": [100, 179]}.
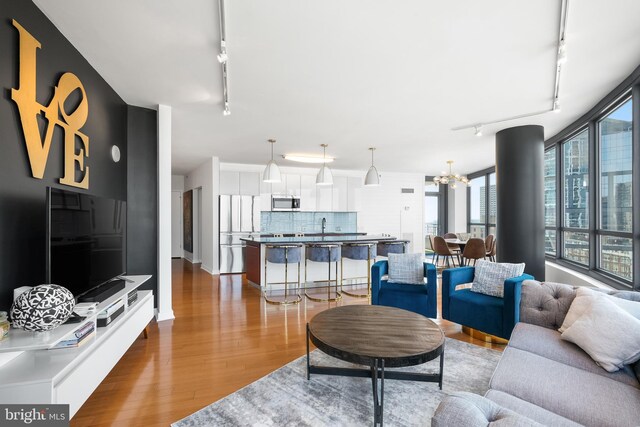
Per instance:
{"type": "Point", "coordinates": [42, 308]}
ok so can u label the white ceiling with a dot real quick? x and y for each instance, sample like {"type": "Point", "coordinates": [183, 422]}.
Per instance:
{"type": "Point", "coordinates": [397, 75]}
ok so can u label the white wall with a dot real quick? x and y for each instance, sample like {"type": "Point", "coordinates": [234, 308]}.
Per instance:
{"type": "Point", "coordinates": [383, 207]}
{"type": "Point", "coordinates": [206, 176]}
{"type": "Point", "coordinates": [460, 218]}
{"type": "Point", "coordinates": [177, 183]}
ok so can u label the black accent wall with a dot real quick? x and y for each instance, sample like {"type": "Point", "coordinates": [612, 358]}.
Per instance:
{"type": "Point", "coordinates": [520, 197]}
{"type": "Point", "coordinates": [142, 189]}
{"type": "Point", "coordinates": [22, 197]}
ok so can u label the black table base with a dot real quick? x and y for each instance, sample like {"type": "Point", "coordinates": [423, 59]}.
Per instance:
{"type": "Point", "coordinates": [375, 372]}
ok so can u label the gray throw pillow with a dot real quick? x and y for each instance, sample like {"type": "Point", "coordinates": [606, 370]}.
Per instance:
{"type": "Point", "coordinates": [489, 277]}
{"type": "Point", "coordinates": [406, 268]}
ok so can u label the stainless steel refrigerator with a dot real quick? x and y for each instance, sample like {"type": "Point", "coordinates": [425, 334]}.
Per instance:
{"type": "Point", "coordinates": [239, 217]}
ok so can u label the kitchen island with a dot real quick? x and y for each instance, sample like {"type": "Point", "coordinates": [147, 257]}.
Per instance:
{"type": "Point", "coordinates": [255, 257]}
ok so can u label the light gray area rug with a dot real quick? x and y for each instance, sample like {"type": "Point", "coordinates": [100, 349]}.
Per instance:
{"type": "Point", "coordinates": [286, 398]}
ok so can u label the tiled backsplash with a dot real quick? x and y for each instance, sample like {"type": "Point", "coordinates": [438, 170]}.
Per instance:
{"type": "Point", "coordinates": [308, 222]}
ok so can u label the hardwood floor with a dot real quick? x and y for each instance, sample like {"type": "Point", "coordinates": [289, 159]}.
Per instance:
{"type": "Point", "coordinates": [224, 337]}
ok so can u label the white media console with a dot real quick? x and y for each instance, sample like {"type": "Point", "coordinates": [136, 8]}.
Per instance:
{"type": "Point", "coordinates": [37, 374]}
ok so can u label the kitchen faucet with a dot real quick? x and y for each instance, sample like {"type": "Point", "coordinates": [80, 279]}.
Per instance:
{"type": "Point", "coordinates": [324, 224]}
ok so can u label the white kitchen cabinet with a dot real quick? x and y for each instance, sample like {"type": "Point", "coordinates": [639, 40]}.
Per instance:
{"type": "Point", "coordinates": [249, 183]}
{"type": "Point", "coordinates": [265, 187]}
{"type": "Point", "coordinates": [229, 182]}
{"type": "Point", "coordinates": [307, 193]}
{"type": "Point", "coordinates": [324, 198]}
{"type": "Point", "coordinates": [339, 194]}
{"type": "Point", "coordinates": [279, 188]}
{"type": "Point", "coordinates": [293, 185]}
{"type": "Point", "coordinates": [354, 194]}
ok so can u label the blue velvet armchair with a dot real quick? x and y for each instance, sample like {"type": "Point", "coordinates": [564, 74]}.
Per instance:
{"type": "Point", "coordinates": [489, 314]}
{"type": "Point", "coordinates": [422, 299]}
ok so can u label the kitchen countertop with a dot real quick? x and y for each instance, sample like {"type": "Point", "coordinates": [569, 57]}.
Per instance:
{"type": "Point", "coordinates": [320, 239]}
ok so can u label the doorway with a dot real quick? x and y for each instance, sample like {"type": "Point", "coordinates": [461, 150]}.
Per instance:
{"type": "Point", "coordinates": [176, 225]}
{"type": "Point", "coordinates": [435, 211]}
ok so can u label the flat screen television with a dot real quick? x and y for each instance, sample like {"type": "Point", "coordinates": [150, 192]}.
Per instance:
{"type": "Point", "coordinates": [86, 240]}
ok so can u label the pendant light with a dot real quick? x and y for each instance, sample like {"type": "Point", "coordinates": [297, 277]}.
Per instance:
{"type": "Point", "coordinates": [324, 177]}
{"type": "Point", "coordinates": [372, 179]}
{"type": "Point", "coordinates": [272, 171]}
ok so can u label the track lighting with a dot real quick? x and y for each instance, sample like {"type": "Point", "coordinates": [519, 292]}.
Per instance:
{"type": "Point", "coordinates": [478, 130]}
{"type": "Point", "coordinates": [556, 106]}
{"type": "Point", "coordinates": [226, 111]}
{"type": "Point", "coordinates": [222, 57]}
{"type": "Point", "coordinates": [562, 52]}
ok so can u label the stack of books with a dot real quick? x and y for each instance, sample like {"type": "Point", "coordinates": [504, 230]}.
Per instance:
{"type": "Point", "coordinates": [85, 309]}
{"type": "Point", "coordinates": [79, 337]}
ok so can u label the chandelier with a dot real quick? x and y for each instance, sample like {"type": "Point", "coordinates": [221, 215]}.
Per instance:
{"type": "Point", "coordinates": [451, 179]}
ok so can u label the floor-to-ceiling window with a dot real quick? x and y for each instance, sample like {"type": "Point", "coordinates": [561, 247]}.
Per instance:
{"type": "Point", "coordinates": [435, 210]}
{"type": "Point", "coordinates": [575, 179]}
{"type": "Point", "coordinates": [589, 196]}
{"type": "Point", "coordinates": [550, 202]}
{"type": "Point", "coordinates": [615, 227]}
{"type": "Point", "coordinates": [482, 204]}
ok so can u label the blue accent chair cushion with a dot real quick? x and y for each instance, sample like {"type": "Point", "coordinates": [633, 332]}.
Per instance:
{"type": "Point", "coordinates": [359, 252]}
{"type": "Point", "coordinates": [422, 299]}
{"type": "Point", "coordinates": [323, 253]}
{"type": "Point", "coordinates": [489, 314]}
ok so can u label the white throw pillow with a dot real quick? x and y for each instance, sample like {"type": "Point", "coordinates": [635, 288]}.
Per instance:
{"type": "Point", "coordinates": [607, 333]}
{"type": "Point", "coordinates": [406, 268]}
{"type": "Point", "coordinates": [584, 298]}
{"type": "Point", "coordinates": [489, 277]}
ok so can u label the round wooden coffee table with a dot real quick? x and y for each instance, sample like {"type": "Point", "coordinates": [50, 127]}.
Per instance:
{"type": "Point", "coordinates": [379, 337]}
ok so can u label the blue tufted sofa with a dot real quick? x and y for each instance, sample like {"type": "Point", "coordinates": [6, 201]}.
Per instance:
{"type": "Point", "coordinates": [544, 380]}
{"type": "Point", "coordinates": [422, 299]}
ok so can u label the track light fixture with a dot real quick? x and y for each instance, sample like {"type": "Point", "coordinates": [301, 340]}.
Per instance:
{"type": "Point", "coordinates": [562, 52]}
{"type": "Point", "coordinates": [561, 58]}
{"type": "Point", "coordinates": [222, 59]}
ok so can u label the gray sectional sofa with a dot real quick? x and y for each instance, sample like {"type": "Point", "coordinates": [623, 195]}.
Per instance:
{"type": "Point", "coordinates": [542, 379]}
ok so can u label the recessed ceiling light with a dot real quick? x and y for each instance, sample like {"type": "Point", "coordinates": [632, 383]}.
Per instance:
{"type": "Point", "coordinates": [304, 158]}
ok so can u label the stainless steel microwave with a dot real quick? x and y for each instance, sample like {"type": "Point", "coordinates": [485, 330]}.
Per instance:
{"type": "Point", "coordinates": [284, 203]}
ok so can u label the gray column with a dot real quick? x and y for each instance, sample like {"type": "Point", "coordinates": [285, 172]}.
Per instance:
{"type": "Point", "coordinates": [520, 197]}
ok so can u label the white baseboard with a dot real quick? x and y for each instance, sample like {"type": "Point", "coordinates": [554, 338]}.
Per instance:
{"type": "Point", "coordinates": [209, 270]}
{"type": "Point", "coordinates": [165, 315]}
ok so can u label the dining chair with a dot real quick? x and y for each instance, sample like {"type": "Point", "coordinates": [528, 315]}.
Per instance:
{"type": "Point", "coordinates": [474, 250]}
{"type": "Point", "coordinates": [455, 248]}
{"type": "Point", "coordinates": [431, 248]}
{"type": "Point", "coordinates": [488, 243]}
{"type": "Point", "coordinates": [492, 254]}
{"type": "Point", "coordinates": [441, 248]}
